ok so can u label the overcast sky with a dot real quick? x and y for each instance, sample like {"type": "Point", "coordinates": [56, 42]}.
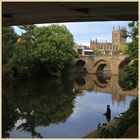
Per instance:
{"type": "Point", "coordinates": [84, 31]}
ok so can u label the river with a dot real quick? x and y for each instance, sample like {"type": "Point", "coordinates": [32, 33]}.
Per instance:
{"type": "Point", "coordinates": [68, 108]}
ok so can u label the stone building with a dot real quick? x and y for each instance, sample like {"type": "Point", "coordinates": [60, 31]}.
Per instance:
{"type": "Point", "coordinates": [109, 48]}
{"type": "Point", "coordinates": [83, 50]}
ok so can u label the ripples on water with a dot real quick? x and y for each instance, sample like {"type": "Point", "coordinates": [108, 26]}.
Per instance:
{"type": "Point", "coordinates": [53, 108]}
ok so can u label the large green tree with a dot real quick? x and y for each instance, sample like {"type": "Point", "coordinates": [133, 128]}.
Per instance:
{"type": "Point", "coordinates": [42, 51]}
{"type": "Point", "coordinates": [53, 49]}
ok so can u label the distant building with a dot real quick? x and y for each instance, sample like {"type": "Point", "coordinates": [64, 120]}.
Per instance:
{"type": "Point", "coordinates": [109, 48]}
{"type": "Point", "coordinates": [84, 50]}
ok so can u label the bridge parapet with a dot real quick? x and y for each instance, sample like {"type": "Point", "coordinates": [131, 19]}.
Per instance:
{"type": "Point", "coordinates": [109, 55]}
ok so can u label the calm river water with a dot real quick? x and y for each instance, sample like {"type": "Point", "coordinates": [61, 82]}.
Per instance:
{"type": "Point", "coordinates": [69, 108]}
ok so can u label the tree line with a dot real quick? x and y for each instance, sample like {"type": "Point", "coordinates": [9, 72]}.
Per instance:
{"type": "Point", "coordinates": [37, 52]}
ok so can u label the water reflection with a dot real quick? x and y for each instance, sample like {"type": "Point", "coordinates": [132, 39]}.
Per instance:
{"type": "Point", "coordinates": [40, 103]}
{"type": "Point", "coordinates": [103, 78]}
{"type": "Point", "coordinates": [30, 109]}
{"type": "Point", "coordinates": [104, 83]}
{"type": "Point", "coordinates": [80, 80]}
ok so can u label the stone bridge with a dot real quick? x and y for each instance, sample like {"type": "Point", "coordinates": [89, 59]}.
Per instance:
{"type": "Point", "coordinates": [94, 64]}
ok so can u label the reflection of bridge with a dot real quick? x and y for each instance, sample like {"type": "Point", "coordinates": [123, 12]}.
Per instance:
{"type": "Point", "coordinates": [98, 63]}
{"type": "Point", "coordinates": [93, 83]}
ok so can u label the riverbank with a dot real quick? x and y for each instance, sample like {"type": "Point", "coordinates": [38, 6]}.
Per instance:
{"type": "Point", "coordinates": [131, 132]}
{"type": "Point", "coordinates": [125, 125]}
{"type": "Point", "coordinates": [109, 125]}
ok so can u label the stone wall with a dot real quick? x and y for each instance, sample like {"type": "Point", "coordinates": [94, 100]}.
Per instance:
{"type": "Point", "coordinates": [92, 63]}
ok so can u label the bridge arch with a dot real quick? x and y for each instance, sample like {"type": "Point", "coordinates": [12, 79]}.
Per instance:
{"type": "Point", "coordinates": [101, 60]}
{"type": "Point", "coordinates": [101, 65]}
{"type": "Point", "coordinates": [80, 66]}
{"type": "Point", "coordinates": [80, 62]}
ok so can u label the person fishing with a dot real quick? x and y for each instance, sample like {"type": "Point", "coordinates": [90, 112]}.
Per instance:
{"type": "Point", "coordinates": [108, 113]}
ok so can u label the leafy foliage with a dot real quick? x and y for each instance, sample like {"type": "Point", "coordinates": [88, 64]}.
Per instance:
{"type": "Point", "coordinates": [27, 38]}
{"type": "Point", "coordinates": [130, 72]}
{"type": "Point", "coordinates": [42, 52]}
{"type": "Point", "coordinates": [130, 75]}
{"type": "Point", "coordinates": [96, 52]}
{"type": "Point", "coordinates": [9, 38]}
{"type": "Point", "coordinates": [123, 49]}
{"type": "Point", "coordinates": [124, 32]}
{"type": "Point", "coordinates": [53, 49]}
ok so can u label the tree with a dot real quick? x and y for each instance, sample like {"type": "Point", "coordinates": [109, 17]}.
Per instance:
{"type": "Point", "coordinates": [27, 38]}
{"type": "Point", "coordinates": [9, 38]}
{"type": "Point", "coordinates": [42, 52]}
{"type": "Point", "coordinates": [130, 73]}
{"type": "Point", "coordinates": [96, 52]}
{"type": "Point", "coordinates": [124, 33]}
{"type": "Point", "coordinates": [123, 49]}
{"type": "Point", "coordinates": [53, 50]}
{"type": "Point", "coordinates": [133, 46]}
{"type": "Point", "coordinates": [22, 60]}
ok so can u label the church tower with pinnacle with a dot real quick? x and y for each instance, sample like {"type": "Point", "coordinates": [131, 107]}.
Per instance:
{"type": "Point", "coordinates": [109, 48]}
{"type": "Point", "coordinates": [117, 37]}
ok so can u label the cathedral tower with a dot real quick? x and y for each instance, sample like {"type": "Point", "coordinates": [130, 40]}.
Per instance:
{"type": "Point", "coordinates": [117, 38]}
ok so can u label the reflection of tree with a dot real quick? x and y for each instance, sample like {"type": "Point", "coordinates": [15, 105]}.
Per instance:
{"type": "Point", "coordinates": [40, 103]}
{"type": "Point", "coordinates": [29, 125]}
{"type": "Point", "coordinates": [9, 116]}
{"type": "Point", "coordinates": [79, 80]}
